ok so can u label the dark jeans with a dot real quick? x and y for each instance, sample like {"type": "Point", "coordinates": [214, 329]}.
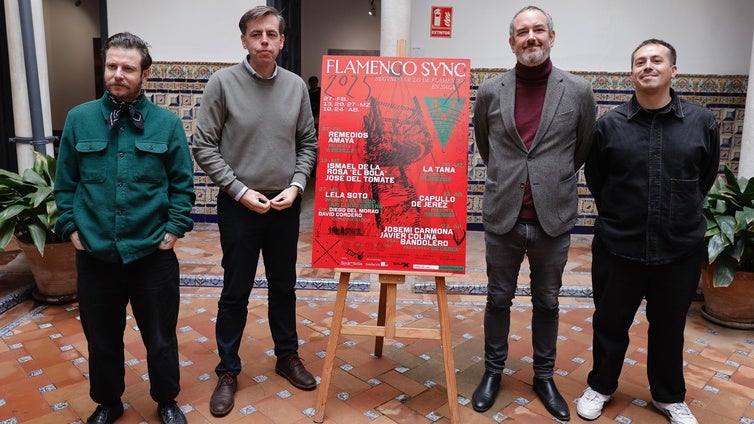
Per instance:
{"type": "Point", "coordinates": [243, 235]}
{"type": "Point", "coordinates": [619, 286]}
{"type": "Point", "coordinates": [547, 258]}
{"type": "Point", "coordinates": [104, 290]}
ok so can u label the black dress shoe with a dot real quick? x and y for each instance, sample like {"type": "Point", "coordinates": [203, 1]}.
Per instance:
{"type": "Point", "coordinates": [292, 369]}
{"type": "Point", "coordinates": [485, 394]}
{"type": "Point", "coordinates": [549, 395]}
{"type": "Point", "coordinates": [106, 414]}
{"type": "Point", "coordinates": [170, 413]}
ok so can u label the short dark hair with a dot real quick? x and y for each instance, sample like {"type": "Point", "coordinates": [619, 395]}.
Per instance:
{"type": "Point", "coordinates": [673, 55]}
{"type": "Point", "coordinates": [126, 40]}
{"type": "Point", "coordinates": [550, 23]}
{"type": "Point", "coordinates": [259, 12]}
{"type": "Point", "coordinates": [313, 80]}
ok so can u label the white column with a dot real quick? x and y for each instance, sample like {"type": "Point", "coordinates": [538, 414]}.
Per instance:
{"type": "Point", "coordinates": [21, 112]}
{"type": "Point", "coordinates": [395, 25]}
{"type": "Point", "coordinates": [746, 162]}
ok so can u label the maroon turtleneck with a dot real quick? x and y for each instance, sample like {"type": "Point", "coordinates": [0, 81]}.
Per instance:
{"type": "Point", "coordinates": [531, 85]}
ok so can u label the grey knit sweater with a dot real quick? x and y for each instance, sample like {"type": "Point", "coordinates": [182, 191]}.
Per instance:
{"type": "Point", "coordinates": [255, 132]}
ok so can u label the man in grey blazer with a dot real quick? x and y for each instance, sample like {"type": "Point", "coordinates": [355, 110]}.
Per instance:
{"type": "Point", "coordinates": [533, 128]}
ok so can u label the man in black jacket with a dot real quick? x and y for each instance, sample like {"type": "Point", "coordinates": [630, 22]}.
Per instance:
{"type": "Point", "coordinates": [652, 162]}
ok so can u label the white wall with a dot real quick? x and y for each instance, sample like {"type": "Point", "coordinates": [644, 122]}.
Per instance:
{"type": "Point", "coordinates": [711, 37]}
{"type": "Point", "coordinates": [201, 31]}
{"type": "Point", "coordinates": [183, 30]}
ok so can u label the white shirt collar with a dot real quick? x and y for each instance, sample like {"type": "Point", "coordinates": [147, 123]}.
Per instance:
{"type": "Point", "coordinates": [255, 73]}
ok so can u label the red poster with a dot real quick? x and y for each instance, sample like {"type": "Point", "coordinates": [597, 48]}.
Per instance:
{"type": "Point", "coordinates": [391, 178]}
{"type": "Point", "coordinates": [441, 22]}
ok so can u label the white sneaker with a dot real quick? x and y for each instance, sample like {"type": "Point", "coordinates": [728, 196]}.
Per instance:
{"type": "Point", "coordinates": [590, 404]}
{"type": "Point", "coordinates": [679, 412]}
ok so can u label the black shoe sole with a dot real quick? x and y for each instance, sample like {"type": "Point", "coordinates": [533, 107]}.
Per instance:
{"type": "Point", "coordinates": [562, 420]}
{"type": "Point", "coordinates": [481, 409]}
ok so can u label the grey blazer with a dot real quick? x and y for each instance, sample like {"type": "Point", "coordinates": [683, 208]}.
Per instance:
{"type": "Point", "coordinates": [558, 150]}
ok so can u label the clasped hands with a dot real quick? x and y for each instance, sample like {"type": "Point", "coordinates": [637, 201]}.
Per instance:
{"type": "Point", "coordinates": [257, 202]}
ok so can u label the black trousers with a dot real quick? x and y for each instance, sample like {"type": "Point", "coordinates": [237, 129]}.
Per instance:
{"type": "Point", "coordinates": [243, 235]}
{"type": "Point", "coordinates": [104, 290]}
{"type": "Point", "coordinates": [619, 286]}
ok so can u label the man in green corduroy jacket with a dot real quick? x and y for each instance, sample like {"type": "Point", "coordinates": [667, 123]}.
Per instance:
{"type": "Point", "coordinates": [124, 188]}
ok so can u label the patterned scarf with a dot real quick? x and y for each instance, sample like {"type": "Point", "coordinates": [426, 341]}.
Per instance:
{"type": "Point", "coordinates": [121, 107]}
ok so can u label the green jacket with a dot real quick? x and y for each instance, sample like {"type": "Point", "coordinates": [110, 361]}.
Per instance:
{"type": "Point", "coordinates": [124, 188]}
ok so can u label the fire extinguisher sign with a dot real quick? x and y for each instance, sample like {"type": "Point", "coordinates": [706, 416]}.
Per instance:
{"type": "Point", "coordinates": [441, 22]}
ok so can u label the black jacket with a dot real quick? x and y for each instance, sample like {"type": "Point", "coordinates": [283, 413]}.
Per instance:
{"type": "Point", "coordinates": [649, 172]}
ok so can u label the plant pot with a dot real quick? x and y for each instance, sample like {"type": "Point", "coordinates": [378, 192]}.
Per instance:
{"type": "Point", "coordinates": [54, 273]}
{"type": "Point", "coordinates": [731, 306]}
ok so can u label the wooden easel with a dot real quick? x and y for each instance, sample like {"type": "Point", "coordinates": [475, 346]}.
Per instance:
{"type": "Point", "coordinates": [385, 328]}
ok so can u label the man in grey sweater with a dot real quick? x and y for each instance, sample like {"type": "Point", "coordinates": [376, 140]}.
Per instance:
{"type": "Point", "coordinates": [255, 139]}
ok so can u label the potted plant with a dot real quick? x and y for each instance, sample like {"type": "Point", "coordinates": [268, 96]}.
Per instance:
{"type": "Point", "coordinates": [28, 212]}
{"type": "Point", "coordinates": [728, 280]}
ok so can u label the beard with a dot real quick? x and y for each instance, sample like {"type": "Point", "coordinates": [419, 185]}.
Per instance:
{"type": "Point", "coordinates": [536, 58]}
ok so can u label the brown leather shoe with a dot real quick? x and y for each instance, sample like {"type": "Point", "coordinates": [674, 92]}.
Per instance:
{"type": "Point", "coordinates": [221, 402]}
{"type": "Point", "coordinates": [292, 369]}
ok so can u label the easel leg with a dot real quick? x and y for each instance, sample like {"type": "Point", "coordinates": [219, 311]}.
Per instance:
{"type": "Point", "coordinates": [447, 350]}
{"type": "Point", "coordinates": [378, 341]}
{"type": "Point", "coordinates": [332, 345]}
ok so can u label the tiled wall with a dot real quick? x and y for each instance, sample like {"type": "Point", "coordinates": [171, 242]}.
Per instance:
{"type": "Point", "coordinates": [179, 87]}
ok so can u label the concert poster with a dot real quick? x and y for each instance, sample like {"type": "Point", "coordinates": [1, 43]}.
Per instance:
{"type": "Point", "coordinates": [391, 176]}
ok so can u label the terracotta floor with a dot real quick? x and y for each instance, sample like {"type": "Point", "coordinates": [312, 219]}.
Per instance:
{"type": "Point", "coordinates": [43, 353]}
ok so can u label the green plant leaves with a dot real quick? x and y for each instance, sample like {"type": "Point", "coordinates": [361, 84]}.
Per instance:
{"type": "Point", "coordinates": [715, 246]}
{"type": "Point", "coordinates": [725, 269]}
{"type": "Point", "coordinates": [729, 211]}
{"type": "Point", "coordinates": [7, 229]}
{"type": "Point", "coordinates": [727, 225]}
{"type": "Point", "coordinates": [27, 204]}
